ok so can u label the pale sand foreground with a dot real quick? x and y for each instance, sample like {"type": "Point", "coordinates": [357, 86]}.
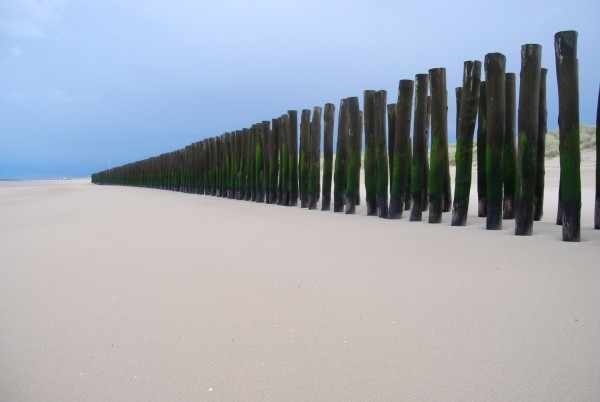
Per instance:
{"type": "Point", "coordinates": [114, 293]}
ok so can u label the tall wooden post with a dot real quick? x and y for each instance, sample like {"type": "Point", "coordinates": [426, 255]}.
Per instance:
{"type": "Point", "coordinates": [439, 131]}
{"type": "Point", "coordinates": [597, 205]}
{"type": "Point", "coordinates": [391, 124]}
{"type": "Point", "coordinates": [427, 163]}
{"type": "Point", "coordinates": [509, 157]}
{"type": "Point", "coordinates": [274, 160]}
{"type": "Point", "coordinates": [314, 171]}
{"type": "Point", "coordinates": [495, 65]}
{"type": "Point", "coordinates": [419, 146]}
{"type": "Point", "coordinates": [381, 157]}
{"type": "Point", "coordinates": [259, 164]}
{"type": "Point", "coordinates": [469, 102]}
{"type": "Point", "coordinates": [538, 200]}
{"type": "Point", "coordinates": [266, 127]}
{"type": "Point", "coordinates": [370, 158]}
{"type": "Point", "coordinates": [529, 105]}
{"type": "Point", "coordinates": [339, 177]}
{"type": "Point", "coordinates": [293, 157]}
{"type": "Point", "coordinates": [402, 149]}
{"type": "Point", "coordinates": [353, 161]}
{"type": "Point", "coordinates": [481, 146]}
{"type": "Point", "coordinates": [304, 156]}
{"type": "Point", "coordinates": [284, 186]}
{"type": "Point", "coordinates": [565, 44]}
{"type": "Point", "coordinates": [328, 115]}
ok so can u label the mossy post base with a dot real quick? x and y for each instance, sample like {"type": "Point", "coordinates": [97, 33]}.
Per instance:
{"type": "Point", "coordinates": [439, 133]}
{"type": "Point", "coordinates": [419, 160]}
{"type": "Point", "coordinates": [529, 105]}
{"type": "Point", "coordinates": [495, 65]}
{"type": "Point", "coordinates": [565, 45]}
{"type": "Point", "coordinates": [469, 101]}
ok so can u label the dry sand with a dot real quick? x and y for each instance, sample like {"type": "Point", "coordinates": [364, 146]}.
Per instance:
{"type": "Point", "coordinates": [115, 293]}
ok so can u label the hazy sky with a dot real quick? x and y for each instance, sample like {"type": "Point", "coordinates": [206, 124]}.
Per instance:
{"type": "Point", "coordinates": [88, 84]}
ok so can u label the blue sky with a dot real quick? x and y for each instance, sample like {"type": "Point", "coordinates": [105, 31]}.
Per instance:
{"type": "Point", "coordinates": [88, 84]}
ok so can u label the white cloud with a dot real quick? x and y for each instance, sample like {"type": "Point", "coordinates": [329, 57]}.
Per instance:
{"type": "Point", "coordinates": [16, 52]}
{"type": "Point", "coordinates": [29, 18]}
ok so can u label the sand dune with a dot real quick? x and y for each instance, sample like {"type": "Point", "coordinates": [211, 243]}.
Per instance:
{"type": "Point", "coordinates": [116, 293]}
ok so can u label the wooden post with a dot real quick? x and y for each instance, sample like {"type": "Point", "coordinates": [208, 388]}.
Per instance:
{"type": "Point", "coordinates": [274, 159]}
{"type": "Point", "coordinates": [370, 158]}
{"type": "Point", "coordinates": [481, 145]}
{"type": "Point", "coordinates": [327, 156]}
{"type": "Point", "coordinates": [314, 171]}
{"type": "Point", "coordinates": [248, 152]}
{"type": "Point", "coordinates": [381, 157]}
{"type": "Point", "coordinates": [509, 157]}
{"type": "Point", "coordinates": [597, 205]}
{"type": "Point", "coordinates": [464, 140]}
{"type": "Point", "coordinates": [419, 146]}
{"type": "Point", "coordinates": [439, 131]}
{"type": "Point", "coordinates": [353, 161]}
{"type": "Point", "coordinates": [259, 165]}
{"type": "Point", "coordinates": [538, 200]}
{"type": "Point", "coordinates": [565, 44]}
{"type": "Point", "coordinates": [391, 127]}
{"type": "Point", "coordinates": [284, 162]}
{"type": "Point", "coordinates": [495, 65]}
{"type": "Point", "coordinates": [266, 127]}
{"type": "Point", "coordinates": [402, 150]}
{"type": "Point", "coordinates": [427, 151]}
{"type": "Point", "coordinates": [304, 156]}
{"type": "Point", "coordinates": [339, 177]}
{"type": "Point", "coordinates": [529, 105]}
{"type": "Point", "coordinates": [252, 163]}
{"type": "Point", "coordinates": [293, 157]}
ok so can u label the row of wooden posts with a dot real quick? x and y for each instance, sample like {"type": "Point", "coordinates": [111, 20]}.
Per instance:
{"type": "Point", "coordinates": [264, 163]}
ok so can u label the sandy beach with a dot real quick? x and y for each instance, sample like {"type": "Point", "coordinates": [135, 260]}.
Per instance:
{"type": "Point", "coordinates": [117, 293]}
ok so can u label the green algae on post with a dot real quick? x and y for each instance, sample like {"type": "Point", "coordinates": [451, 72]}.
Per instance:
{"type": "Point", "coordinates": [469, 102]}
{"type": "Point", "coordinates": [565, 45]}
{"type": "Point", "coordinates": [328, 117]}
{"type": "Point", "coordinates": [419, 146]}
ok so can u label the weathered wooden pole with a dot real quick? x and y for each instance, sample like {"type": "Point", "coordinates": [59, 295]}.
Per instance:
{"type": "Point", "coordinates": [401, 156]}
{"type": "Point", "coordinates": [509, 157]}
{"type": "Point", "coordinates": [481, 146]}
{"type": "Point", "coordinates": [238, 165]}
{"type": "Point", "coordinates": [439, 131]}
{"type": "Point", "coordinates": [597, 205]}
{"type": "Point", "coordinates": [293, 157]}
{"type": "Point", "coordinates": [266, 127]}
{"type": "Point", "coordinates": [353, 157]}
{"type": "Point", "coordinates": [428, 150]}
{"type": "Point", "coordinates": [314, 171]}
{"type": "Point", "coordinates": [328, 116]}
{"type": "Point", "coordinates": [419, 146]}
{"type": "Point", "coordinates": [370, 157]}
{"type": "Point", "coordinates": [284, 163]}
{"type": "Point", "coordinates": [260, 176]}
{"type": "Point", "coordinates": [391, 133]}
{"type": "Point", "coordinates": [565, 44]}
{"type": "Point", "coordinates": [381, 157]}
{"type": "Point", "coordinates": [249, 152]}
{"type": "Point", "coordinates": [538, 200]}
{"type": "Point", "coordinates": [274, 159]}
{"type": "Point", "coordinates": [469, 102]}
{"type": "Point", "coordinates": [303, 164]}
{"type": "Point", "coordinates": [339, 177]}
{"type": "Point", "coordinates": [529, 105]}
{"type": "Point", "coordinates": [495, 65]}
{"type": "Point", "coordinates": [252, 163]}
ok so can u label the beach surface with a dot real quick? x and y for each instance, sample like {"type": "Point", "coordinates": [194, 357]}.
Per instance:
{"type": "Point", "coordinates": [118, 293]}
